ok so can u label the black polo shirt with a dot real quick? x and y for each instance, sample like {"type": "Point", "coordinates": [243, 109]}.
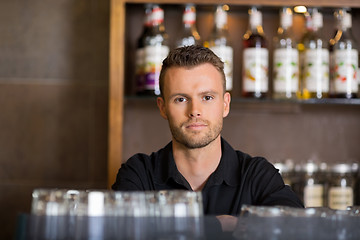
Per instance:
{"type": "Point", "coordinates": [239, 179]}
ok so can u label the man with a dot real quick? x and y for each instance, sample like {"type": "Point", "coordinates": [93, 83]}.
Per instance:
{"type": "Point", "coordinates": [194, 102]}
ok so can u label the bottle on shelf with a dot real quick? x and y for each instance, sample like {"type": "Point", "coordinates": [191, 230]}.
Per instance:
{"type": "Point", "coordinates": [314, 58]}
{"type": "Point", "coordinates": [255, 79]}
{"type": "Point", "coordinates": [219, 43]}
{"type": "Point", "coordinates": [285, 59]}
{"type": "Point", "coordinates": [341, 189]}
{"type": "Point", "coordinates": [343, 58]}
{"type": "Point", "coordinates": [156, 50]}
{"type": "Point", "coordinates": [189, 34]}
{"type": "Point", "coordinates": [313, 188]}
{"type": "Point", "coordinates": [140, 51]}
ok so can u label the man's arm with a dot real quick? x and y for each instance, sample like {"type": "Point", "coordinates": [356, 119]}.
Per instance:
{"type": "Point", "coordinates": [269, 187]}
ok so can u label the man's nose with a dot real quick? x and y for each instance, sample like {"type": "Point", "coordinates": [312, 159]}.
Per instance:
{"type": "Point", "coordinates": [195, 109]}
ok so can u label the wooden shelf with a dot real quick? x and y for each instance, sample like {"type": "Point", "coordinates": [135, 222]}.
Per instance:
{"type": "Point", "coordinates": [319, 3]}
{"type": "Point", "coordinates": [118, 65]}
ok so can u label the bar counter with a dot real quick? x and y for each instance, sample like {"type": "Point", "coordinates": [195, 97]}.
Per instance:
{"type": "Point", "coordinates": [334, 226]}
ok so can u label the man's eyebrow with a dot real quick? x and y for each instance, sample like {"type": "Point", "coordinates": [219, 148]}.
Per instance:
{"type": "Point", "coordinates": [211, 92]}
{"type": "Point", "coordinates": [178, 94]}
{"type": "Point", "coordinates": [206, 92]}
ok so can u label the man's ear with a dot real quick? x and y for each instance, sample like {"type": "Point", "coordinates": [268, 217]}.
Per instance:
{"type": "Point", "coordinates": [227, 100]}
{"type": "Point", "coordinates": [161, 105]}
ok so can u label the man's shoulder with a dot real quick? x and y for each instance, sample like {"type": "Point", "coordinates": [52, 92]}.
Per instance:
{"type": "Point", "coordinates": [147, 159]}
{"type": "Point", "coordinates": [141, 159]}
{"type": "Point", "coordinates": [246, 160]}
{"type": "Point", "coordinates": [241, 156]}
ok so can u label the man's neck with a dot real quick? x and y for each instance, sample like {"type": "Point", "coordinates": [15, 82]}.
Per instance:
{"type": "Point", "coordinates": [196, 165]}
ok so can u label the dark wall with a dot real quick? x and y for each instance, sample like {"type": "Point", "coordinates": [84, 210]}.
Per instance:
{"type": "Point", "coordinates": [53, 99]}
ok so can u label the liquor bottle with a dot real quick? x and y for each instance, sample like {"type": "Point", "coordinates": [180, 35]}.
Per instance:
{"type": "Point", "coordinates": [156, 50]}
{"type": "Point", "coordinates": [140, 51]}
{"type": "Point", "coordinates": [189, 34]}
{"type": "Point", "coordinates": [343, 58]}
{"type": "Point", "coordinates": [219, 43]}
{"type": "Point", "coordinates": [314, 57]}
{"type": "Point", "coordinates": [286, 59]}
{"type": "Point", "coordinates": [255, 58]}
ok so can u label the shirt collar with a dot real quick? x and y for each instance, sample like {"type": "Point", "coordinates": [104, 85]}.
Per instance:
{"type": "Point", "coordinates": [227, 170]}
{"type": "Point", "coordinates": [165, 167]}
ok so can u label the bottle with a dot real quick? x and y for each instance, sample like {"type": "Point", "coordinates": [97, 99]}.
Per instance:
{"type": "Point", "coordinates": [189, 35]}
{"type": "Point", "coordinates": [343, 58]}
{"type": "Point", "coordinates": [255, 58]}
{"type": "Point", "coordinates": [286, 59]}
{"type": "Point", "coordinates": [220, 45]}
{"type": "Point", "coordinates": [341, 190]}
{"type": "Point", "coordinates": [140, 51]}
{"type": "Point", "coordinates": [314, 57]}
{"type": "Point", "coordinates": [313, 185]}
{"type": "Point", "coordinates": [156, 50]}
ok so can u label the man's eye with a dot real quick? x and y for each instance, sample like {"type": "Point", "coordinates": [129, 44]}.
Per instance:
{"type": "Point", "coordinates": [180, 99]}
{"type": "Point", "coordinates": [207, 98]}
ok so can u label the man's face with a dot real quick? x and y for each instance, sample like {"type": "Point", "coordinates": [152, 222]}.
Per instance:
{"type": "Point", "coordinates": [194, 104]}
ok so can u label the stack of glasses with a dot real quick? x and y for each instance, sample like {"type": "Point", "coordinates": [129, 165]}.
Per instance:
{"type": "Point", "coordinates": [75, 214]}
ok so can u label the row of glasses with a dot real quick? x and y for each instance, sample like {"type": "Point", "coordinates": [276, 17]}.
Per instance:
{"type": "Point", "coordinates": [104, 214]}
{"type": "Point", "coordinates": [282, 222]}
{"type": "Point", "coordinates": [166, 203]}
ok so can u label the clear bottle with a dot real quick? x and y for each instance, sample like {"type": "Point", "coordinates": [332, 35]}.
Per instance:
{"type": "Point", "coordinates": [314, 58]}
{"type": "Point", "coordinates": [313, 185]}
{"type": "Point", "coordinates": [189, 34]}
{"type": "Point", "coordinates": [156, 50]}
{"type": "Point", "coordinates": [286, 59]}
{"type": "Point", "coordinates": [219, 43]}
{"type": "Point", "coordinates": [140, 51]}
{"type": "Point", "coordinates": [341, 189]}
{"type": "Point", "coordinates": [255, 79]}
{"type": "Point", "coordinates": [343, 58]}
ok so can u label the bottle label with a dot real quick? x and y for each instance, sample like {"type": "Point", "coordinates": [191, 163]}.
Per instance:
{"type": "Point", "coordinates": [341, 197]}
{"type": "Point", "coordinates": [225, 53]}
{"type": "Point", "coordinates": [140, 69]}
{"type": "Point", "coordinates": [286, 70]}
{"type": "Point", "coordinates": [316, 70]}
{"type": "Point", "coordinates": [154, 55]}
{"type": "Point", "coordinates": [345, 71]}
{"type": "Point", "coordinates": [256, 65]}
{"type": "Point", "coordinates": [313, 195]}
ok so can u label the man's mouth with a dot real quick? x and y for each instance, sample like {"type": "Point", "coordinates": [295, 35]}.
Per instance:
{"type": "Point", "coordinates": [196, 126]}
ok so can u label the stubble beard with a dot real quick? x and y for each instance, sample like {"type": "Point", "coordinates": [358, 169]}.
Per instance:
{"type": "Point", "coordinates": [193, 139]}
